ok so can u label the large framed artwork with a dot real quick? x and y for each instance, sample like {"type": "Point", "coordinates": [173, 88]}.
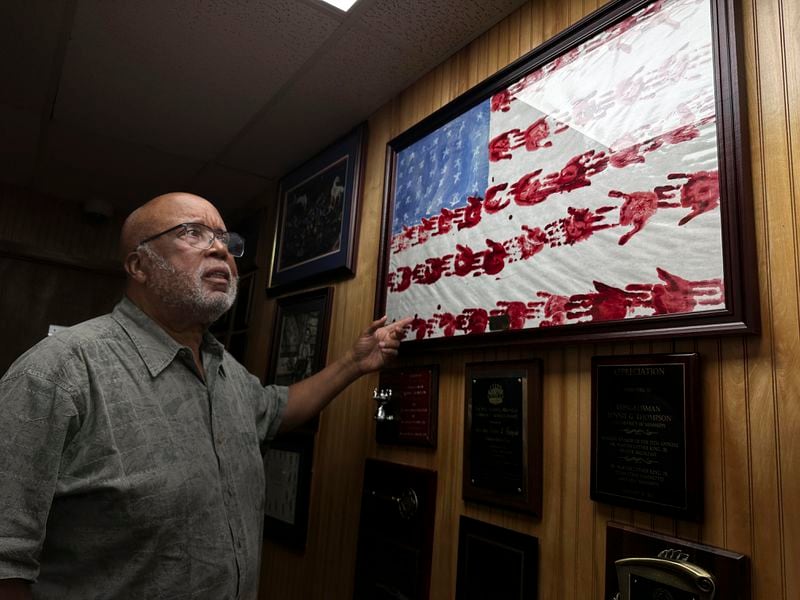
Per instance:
{"type": "Point", "coordinates": [597, 188]}
{"type": "Point", "coordinates": [300, 336]}
{"type": "Point", "coordinates": [318, 209]}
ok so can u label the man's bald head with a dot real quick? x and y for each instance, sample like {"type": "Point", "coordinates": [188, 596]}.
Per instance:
{"type": "Point", "coordinates": [160, 213]}
{"type": "Point", "coordinates": [172, 280]}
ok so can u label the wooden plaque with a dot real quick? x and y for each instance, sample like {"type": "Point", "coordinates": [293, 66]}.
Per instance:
{"type": "Point", "coordinates": [494, 562]}
{"type": "Point", "coordinates": [395, 536]}
{"type": "Point", "coordinates": [415, 396]}
{"type": "Point", "coordinates": [730, 570]}
{"type": "Point", "coordinates": [645, 433]}
{"type": "Point", "coordinates": [503, 435]}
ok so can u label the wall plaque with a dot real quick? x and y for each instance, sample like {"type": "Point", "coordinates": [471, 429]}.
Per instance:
{"type": "Point", "coordinates": [414, 393]}
{"type": "Point", "coordinates": [395, 536]}
{"type": "Point", "coordinates": [645, 427]}
{"type": "Point", "coordinates": [503, 435]}
{"type": "Point", "coordinates": [642, 565]}
{"type": "Point", "coordinates": [494, 562]}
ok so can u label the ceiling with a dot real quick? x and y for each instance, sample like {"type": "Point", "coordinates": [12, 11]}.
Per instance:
{"type": "Point", "coordinates": [110, 102]}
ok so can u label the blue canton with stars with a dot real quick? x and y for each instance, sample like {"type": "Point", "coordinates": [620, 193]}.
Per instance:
{"type": "Point", "coordinates": [442, 169]}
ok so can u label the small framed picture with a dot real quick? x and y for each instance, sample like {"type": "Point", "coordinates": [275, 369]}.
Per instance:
{"type": "Point", "coordinates": [300, 336]}
{"type": "Point", "coordinates": [287, 470]}
{"type": "Point", "coordinates": [318, 208]}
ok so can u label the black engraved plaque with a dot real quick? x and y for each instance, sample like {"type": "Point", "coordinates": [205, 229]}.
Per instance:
{"type": "Point", "coordinates": [496, 430]}
{"type": "Point", "coordinates": [645, 451]}
{"type": "Point", "coordinates": [503, 435]}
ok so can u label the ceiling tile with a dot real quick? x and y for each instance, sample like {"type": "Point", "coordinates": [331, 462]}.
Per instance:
{"type": "Point", "coordinates": [392, 44]}
{"type": "Point", "coordinates": [183, 76]}
{"type": "Point", "coordinates": [229, 190]}
{"type": "Point", "coordinates": [434, 28]}
{"type": "Point", "coordinates": [357, 74]}
{"type": "Point", "coordinates": [78, 164]}
{"type": "Point", "coordinates": [29, 33]}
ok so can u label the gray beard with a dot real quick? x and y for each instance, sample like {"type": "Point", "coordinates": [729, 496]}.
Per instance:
{"type": "Point", "coordinates": [184, 291]}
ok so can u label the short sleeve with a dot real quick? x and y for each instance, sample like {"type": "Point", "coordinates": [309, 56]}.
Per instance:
{"type": "Point", "coordinates": [37, 417]}
{"type": "Point", "coordinates": [272, 405]}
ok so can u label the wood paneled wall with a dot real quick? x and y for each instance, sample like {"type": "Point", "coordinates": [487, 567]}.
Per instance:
{"type": "Point", "coordinates": [751, 385]}
{"type": "Point", "coordinates": [39, 226]}
{"type": "Point", "coordinates": [56, 268]}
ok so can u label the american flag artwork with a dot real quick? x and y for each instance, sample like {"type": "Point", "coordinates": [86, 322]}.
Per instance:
{"type": "Point", "coordinates": [586, 191]}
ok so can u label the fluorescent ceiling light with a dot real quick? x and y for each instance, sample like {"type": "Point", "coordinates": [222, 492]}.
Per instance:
{"type": "Point", "coordinates": [341, 4]}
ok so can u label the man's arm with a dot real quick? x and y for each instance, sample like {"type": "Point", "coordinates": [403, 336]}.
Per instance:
{"type": "Point", "coordinates": [375, 347]}
{"type": "Point", "coordinates": [15, 589]}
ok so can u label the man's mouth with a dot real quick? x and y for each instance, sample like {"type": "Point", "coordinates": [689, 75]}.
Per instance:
{"type": "Point", "coordinates": [218, 275]}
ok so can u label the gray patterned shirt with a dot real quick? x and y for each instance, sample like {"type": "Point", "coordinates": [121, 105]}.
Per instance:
{"type": "Point", "coordinates": [123, 475]}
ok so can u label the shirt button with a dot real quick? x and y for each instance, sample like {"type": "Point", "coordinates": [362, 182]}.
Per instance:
{"type": "Point", "coordinates": [219, 441]}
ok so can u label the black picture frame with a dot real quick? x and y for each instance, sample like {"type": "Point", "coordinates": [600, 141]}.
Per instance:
{"type": "Point", "coordinates": [613, 298]}
{"type": "Point", "coordinates": [645, 442]}
{"type": "Point", "coordinates": [288, 471]}
{"type": "Point", "coordinates": [395, 532]}
{"type": "Point", "coordinates": [503, 445]}
{"type": "Point", "coordinates": [495, 562]}
{"type": "Point", "coordinates": [318, 212]}
{"type": "Point", "coordinates": [300, 336]}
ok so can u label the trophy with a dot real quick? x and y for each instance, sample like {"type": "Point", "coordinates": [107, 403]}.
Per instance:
{"type": "Point", "coordinates": [385, 408]}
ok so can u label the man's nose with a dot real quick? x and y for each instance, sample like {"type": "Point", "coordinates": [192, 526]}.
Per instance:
{"type": "Point", "coordinates": [219, 248]}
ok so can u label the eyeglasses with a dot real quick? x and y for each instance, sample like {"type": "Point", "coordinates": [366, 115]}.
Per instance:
{"type": "Point", "coordinates": [202, 236]}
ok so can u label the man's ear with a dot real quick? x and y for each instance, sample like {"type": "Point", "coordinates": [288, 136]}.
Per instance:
{"type": "Point", "coordinates": [134, 268]}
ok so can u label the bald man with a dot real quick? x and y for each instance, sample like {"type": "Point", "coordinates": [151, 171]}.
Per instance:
{"type": "Point", "coordinates": [131, 444]}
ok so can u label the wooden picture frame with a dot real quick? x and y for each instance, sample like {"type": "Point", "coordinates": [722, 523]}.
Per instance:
{"type": "Point", "coordinates": [503, 435]}
{"type": "Point", "coordinates": [597, 188]}
{"type": "Point", "coordinates": [646, 422]}
{"type": "Point", "coordinates": [495, 562]}
{"type": "Point", "coordinates": [318, 211]}
{"type": "Point", "coordinates": [300, 336]}
{"type": "Point", "coordinates": [288, 471]}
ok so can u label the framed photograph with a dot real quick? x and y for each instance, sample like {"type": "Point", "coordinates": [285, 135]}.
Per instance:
{"type": "Point", "coordinates": [318, 210]}
{"type": "Point", "coordinates": [646, 452]}
{"type": "Point", "coordinates": [503, 435]}
{"type": "Point", "coordinates": [644, 564]}
{"type": "Point", "coordinates": [597, 188]}
{"type": "Point", "coordinates": [494, 562]}
{"type": "Point", "coordinates": [287, 470]}
{"type": "Point", "coordinates": [300, 336]}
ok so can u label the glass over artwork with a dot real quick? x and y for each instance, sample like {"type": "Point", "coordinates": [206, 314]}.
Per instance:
{"type": "Point", "coordinates": [587, 191]}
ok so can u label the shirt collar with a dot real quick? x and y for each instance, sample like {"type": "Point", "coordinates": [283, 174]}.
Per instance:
{"type": "Point", "coordinates": [156, 347]}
